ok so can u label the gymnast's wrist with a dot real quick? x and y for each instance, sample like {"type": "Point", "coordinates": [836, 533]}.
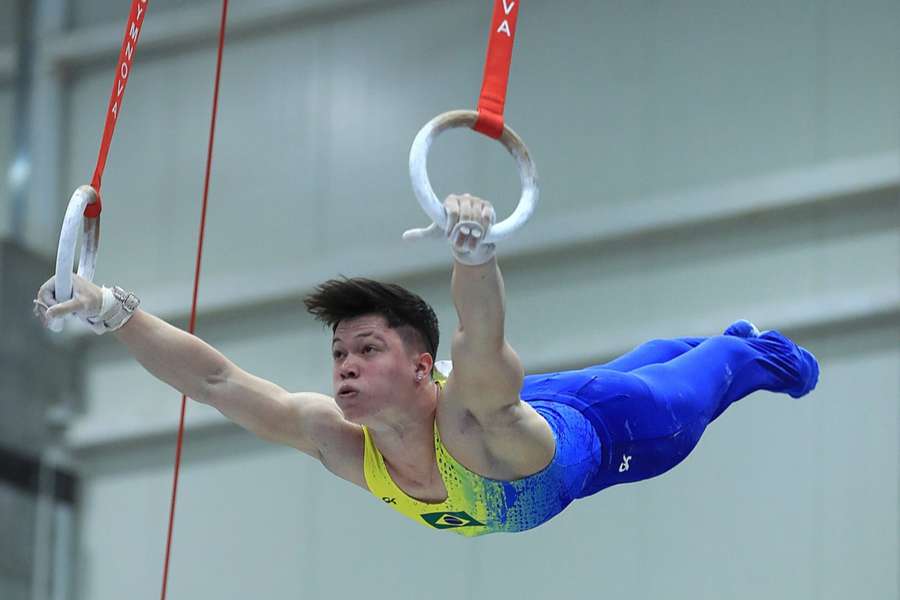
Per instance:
{"type": "Point", "coordinates": [481, 255]}
{"type": "Point", "coordinates": [116, 310]}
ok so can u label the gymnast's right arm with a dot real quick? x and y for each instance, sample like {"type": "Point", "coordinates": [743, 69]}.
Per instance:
{"type": "Point", "coordinates": [202, 373]}
{"type": "Point", "coordinates": [310, 422]}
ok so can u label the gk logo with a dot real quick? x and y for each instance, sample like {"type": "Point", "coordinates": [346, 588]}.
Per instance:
{"type": "Point", "coordinates": [389, 500]}
{"type": "Point", "coordinates": [624, 466]}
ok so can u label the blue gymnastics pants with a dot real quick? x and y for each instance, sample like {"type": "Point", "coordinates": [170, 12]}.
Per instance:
{"type": "Point", "coordinates": [650, 407]}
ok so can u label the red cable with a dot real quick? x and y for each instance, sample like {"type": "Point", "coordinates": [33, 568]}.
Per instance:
{"type": "Point", "coordinates": [193, 322]}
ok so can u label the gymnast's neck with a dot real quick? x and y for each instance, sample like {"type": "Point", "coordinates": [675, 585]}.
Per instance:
{"type": "Point", "coordinates": [405, 436]}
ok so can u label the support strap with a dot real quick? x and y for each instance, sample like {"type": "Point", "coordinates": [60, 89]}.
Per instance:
{"type": "Point", "coordinates": [123, 69]}
{"type": "Point", "coordinates": [496, 68]}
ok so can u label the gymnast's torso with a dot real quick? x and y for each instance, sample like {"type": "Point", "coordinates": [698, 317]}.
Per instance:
{"type": "Point", "coordinates": [476, 505]}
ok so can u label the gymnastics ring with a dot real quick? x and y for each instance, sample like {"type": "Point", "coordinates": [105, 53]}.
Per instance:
{"type": "Point", "coordinates": [68, 240]}
{"type": "Point", "coordinates": [418, 172]}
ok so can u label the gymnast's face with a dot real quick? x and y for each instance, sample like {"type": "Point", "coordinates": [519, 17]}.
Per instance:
{"type": "Point", "coordinates": [373, 370]}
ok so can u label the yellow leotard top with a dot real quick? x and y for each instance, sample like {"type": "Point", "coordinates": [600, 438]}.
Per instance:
{"type": "Point", "coordinates": [477, 505]}
{"type": "Point", "coordinates": [462, 511]}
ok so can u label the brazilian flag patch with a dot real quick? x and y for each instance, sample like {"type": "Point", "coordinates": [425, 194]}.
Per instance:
{"type": "Point", "coordinates": [450, 520]}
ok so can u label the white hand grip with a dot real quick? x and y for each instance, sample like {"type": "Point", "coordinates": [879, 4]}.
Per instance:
{"type": "Point", "coordinates": [75, 226]}
{"type": "Point", "coordinates": [418, 172]}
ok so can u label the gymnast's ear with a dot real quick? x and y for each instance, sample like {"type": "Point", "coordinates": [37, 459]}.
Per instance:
{"type": "Point", "coordinates": [424, 364]}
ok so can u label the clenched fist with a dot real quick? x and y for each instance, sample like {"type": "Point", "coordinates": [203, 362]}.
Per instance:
{"type": "Point", "coordinates": [468, 221]}
{"type": "Point", "coordinates": [86, 301]}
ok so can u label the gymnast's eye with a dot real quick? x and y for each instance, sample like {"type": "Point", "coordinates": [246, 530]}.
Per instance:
{"type": "Point", "coordinates": [337, 354]}
{"type": "Point", "coordinates": [368, 348]}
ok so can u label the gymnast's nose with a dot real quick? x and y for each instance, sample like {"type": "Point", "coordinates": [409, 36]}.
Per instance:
{"type": "Point", "coordinates": [348, 369]}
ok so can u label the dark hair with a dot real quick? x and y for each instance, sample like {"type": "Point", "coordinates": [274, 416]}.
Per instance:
{"type": "Point", "coordinates": [412, 317]}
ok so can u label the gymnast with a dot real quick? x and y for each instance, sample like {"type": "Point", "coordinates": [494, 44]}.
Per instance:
{"type": "Point", "coordinates": [480, 447]}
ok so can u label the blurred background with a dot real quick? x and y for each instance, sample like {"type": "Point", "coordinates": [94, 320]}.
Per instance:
{"type": "Point", "coordinates": [700, 162]}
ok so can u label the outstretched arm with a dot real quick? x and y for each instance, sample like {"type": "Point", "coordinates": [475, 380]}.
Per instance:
{"type": "Point", "coordinates": [486, 370]}
{"type": "Point", "coordinates": [202, 373]}
{"type": "Point", "coordinates": [306, 421]}
{"type": "Point", "coordinates": [309, 422]}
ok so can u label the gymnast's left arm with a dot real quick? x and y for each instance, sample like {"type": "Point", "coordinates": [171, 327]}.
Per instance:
{"type": "Point", "coordinates": [487, 373]}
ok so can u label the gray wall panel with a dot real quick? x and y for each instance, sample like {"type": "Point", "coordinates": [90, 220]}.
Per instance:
{"type": "Point", "coordinates": [732, 91]}
{"type": "Point", "coordinates": [860, 513]}
{"type": "Point", "coordinates": [88, 13]}
{"type": "Point", "coordinates": [7, 100]}
{"type": "Point", "coordinates": [860, 77]}
{"type": "Point", "coordinates": [9, 16]}
{"type": "Point", "coordinates": [316, 126]}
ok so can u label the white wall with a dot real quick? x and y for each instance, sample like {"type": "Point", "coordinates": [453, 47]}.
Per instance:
{"type": "Point", "coordinates": [698, 164]}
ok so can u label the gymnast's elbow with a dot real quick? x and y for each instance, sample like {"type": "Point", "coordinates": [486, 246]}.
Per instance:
{"type": "Point", "coordinates": [259, 406]}
{"type": "Point", "coordinates": [209, 387]}
{"type": "Point", "coordinates": [485, 342]}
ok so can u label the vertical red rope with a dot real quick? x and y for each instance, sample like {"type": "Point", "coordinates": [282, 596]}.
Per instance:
{"type": "Point", "coordinates": [193, 322]}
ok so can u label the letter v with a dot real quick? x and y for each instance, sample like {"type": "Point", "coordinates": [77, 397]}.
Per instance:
{"type": "Point", "coordinates": [508, 7]}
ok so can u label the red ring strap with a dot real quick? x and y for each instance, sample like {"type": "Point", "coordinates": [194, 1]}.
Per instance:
{"type": "Point", "coordinates": [496, 68]}
{"type": "Point", "coordinates": [123, 69]}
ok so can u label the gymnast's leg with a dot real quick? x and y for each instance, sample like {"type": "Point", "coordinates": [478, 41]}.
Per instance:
{"type": "Point", "coordinates": [663, 350]}
{"type": "Point", "coordinates": [651, 418]}
{"type": "Point", "coordinates": [650, 353]}
{"type": "Point", "coordinates": [723, 369]}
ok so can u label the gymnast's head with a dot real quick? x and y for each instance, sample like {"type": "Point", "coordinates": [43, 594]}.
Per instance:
{"type": "Point", "coordinates": [384, 342]}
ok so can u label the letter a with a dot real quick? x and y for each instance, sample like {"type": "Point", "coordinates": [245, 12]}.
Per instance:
{"type": "Point", "coordinates": [504, 28]}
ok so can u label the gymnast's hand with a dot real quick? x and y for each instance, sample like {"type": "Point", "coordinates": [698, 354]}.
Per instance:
{"type": "Point", "coordinates": [468, 221]}
{"type": "Point", "coordinates": [86, 301]}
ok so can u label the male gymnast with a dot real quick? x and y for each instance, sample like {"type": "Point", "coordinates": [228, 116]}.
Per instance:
{"type": "Point", "coordinates": [480, 448]}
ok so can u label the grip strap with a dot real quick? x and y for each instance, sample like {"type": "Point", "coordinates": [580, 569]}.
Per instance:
{"type": "Point", "coordinates": [496, 68]}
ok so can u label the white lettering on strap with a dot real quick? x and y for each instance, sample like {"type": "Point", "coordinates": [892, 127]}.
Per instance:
{"type": "Point", "coordinates": [125, 66]}
{"type": "Point", "coordinates": [504, 26]}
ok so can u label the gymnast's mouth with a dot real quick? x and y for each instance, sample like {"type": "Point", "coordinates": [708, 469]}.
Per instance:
{"type": "Point", "coordinates": [347, 391]}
